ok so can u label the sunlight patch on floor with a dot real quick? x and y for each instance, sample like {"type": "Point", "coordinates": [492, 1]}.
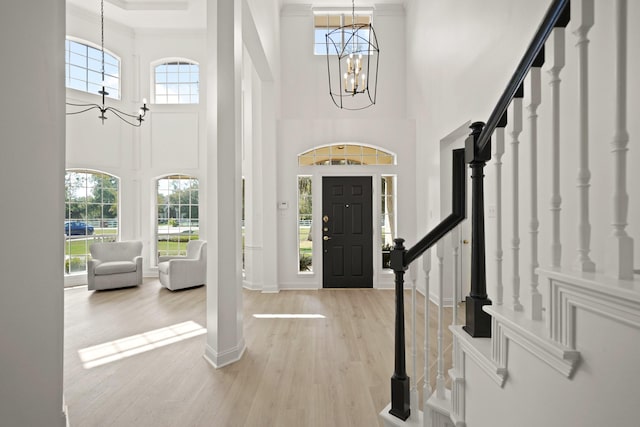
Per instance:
{"type": "Point", "coordinates": [288, 316]}
{"type": "Point", "coordinates": [112, 351]}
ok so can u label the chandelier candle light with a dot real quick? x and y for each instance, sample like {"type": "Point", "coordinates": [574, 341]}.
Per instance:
{"type": "Point", "coordinates": [356, 49]}
{"type": "Point", "coordinates": [132, 119]}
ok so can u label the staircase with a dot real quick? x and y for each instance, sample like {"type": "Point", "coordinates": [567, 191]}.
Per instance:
{"type": "Point", "coordinates": [553, 342]}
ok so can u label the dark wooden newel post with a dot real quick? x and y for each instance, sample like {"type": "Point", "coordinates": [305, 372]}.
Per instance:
{"type": "Point", "coordinates": [478, 322]}
{"type": "Point", "coordinates": [400, 406]}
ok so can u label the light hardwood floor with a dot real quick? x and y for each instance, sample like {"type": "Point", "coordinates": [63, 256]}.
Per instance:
{"type": "Point", "coordinates": [331, 371]}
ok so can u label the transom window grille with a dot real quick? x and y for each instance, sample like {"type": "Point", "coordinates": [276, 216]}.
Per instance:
{"type": "Point", "coordinates": [177, 214]}
{"type": "Point", "coordinates": [177, 83]}
{"type": "Point", "coordinates": [83, 69]}
{"type": "Point", "coordinates": [346, 154]}
{"type": "Point", "coordinates": [327, 22]}
{"type": "Point", "coordinates": [91, 215]}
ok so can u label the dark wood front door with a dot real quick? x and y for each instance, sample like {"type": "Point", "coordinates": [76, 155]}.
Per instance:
{"type": "Point", "coordinates": [347, 232]}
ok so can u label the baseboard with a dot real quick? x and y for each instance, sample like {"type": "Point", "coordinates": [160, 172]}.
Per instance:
{"type": "Point", "coordinates": [447, 302]}
{"type": "Point", "coordinates": [220, 360]}
{"type": "Point", "coordinates": [251, 285]}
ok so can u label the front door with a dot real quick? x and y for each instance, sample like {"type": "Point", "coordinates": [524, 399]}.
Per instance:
{"type": "Point", "coordinates": [347, 232]}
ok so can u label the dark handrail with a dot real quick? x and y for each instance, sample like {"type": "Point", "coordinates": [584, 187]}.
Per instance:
{"type": "Point", "coordinates": [400, 260]}
{"type": "Point", "coordinates": [458, 210]}
{"type": "Point", "coordinates": [553, 15]}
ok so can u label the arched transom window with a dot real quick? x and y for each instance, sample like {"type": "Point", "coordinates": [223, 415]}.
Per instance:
{"type": "Point", "coordinates": [177, 82]}
{"type": "Point", "coordinates": [346, 154]}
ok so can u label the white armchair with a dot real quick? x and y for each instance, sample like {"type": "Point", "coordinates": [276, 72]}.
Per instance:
{"type": "Point", "coordinates": [114, 265]}
{"type": "Point", "coordinates": [179, 272]}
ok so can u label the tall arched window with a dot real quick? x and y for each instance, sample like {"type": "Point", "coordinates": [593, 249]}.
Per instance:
{"type": "Point", "coordinates": [177, 213]}
{"type": "Point", "coordinates": [177, 82]}
{"type": "Point", "coordinates": [83, 69]}
{"type": "Point", "coordinates": [91, 215]}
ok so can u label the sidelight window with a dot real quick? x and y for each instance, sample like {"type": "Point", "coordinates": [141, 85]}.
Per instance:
{"type": "Point", "coordinates": [305, 211]}
{"type": "Point", "coordinates": [387, 217]}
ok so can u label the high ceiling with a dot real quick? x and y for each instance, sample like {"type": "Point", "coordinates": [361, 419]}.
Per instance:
{"type": "Point", "coordinates": [178, 14]}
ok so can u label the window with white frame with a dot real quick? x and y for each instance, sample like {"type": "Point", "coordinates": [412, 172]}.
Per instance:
{"type": "Point", "coordinates": [387, 217]}
{"type": "Point", "coordinates": [177, 82]}
{"type": "Point", "coordinates": [91, 215]}
{"type": "Point", "coordinates": [177, 213]}
{"type": "Point", "coordinates": [304, 226]}
{"type": "Point", "coordinates": [326, 22]}
{"type": "Point", "coordinates": [83, 69]}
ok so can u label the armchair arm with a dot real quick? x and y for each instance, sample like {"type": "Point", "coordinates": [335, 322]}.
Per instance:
{"type": "Point", "coordinates": [187, 269]}
{"type": "Point", "coordinates": [91, 272]}
{"type": "Point", "coordinates": [138, 261]}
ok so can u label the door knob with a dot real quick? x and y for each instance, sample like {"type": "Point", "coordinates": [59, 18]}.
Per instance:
{"type": "Point", "coordinates": [326, 238]}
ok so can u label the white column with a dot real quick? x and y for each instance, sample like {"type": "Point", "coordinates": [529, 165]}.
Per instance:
{"type": "Point", "coordinates": [225, 341]}
{"type": "Point", "coordinates": [583, 18]}
{"type": "Point", "coordinates": [535, 97]}
{"type": "Point", "coordinates": [426, 387]}
{"type": "Point", "coordinates": [499, 152]}
{"type": "Point", "coordinates": [32, 167]}
{"type": "Point", "coordinates": [619, 261]}
{"type": "Point", "coordinates": [515, 240]}
{"type": "Point", "coordinates": [557, 45]}
{"type": "Point", "coordinates": [440, 390]}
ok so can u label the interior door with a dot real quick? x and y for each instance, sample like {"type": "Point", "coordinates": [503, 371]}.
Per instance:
{"type": "Point", "coordinates": [347, 232]}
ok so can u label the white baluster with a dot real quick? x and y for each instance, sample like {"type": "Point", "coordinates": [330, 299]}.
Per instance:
{"type": "Point", "coordinates": [584, 20]}
{"type": "Point", "coordinates": [620, 246]}
{"type": "Point", "coordinates": [455, 244]}
{"type": "Point", "coordinates": [413, 402]}
{"type": "Point", "coordinates": [535, 97]}
{"type": "Point", "coordinates": [426, 388]}
{"type": "Point", "coordinates": [558, 61]}
{"type": "Point", "coordinates": [499, 151]}
{"type": "Point", "coordinates": [515, 241]}
{"type": "Point", "coordinates": [440, 390]}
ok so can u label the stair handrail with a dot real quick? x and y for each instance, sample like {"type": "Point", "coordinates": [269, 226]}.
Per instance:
{"type": "Point", "coordinates": [557, 13]}
{"type": "Point", "coordinates": [400, 260]}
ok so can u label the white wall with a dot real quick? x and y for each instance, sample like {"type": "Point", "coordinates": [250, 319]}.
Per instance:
{"type": "Point", "coordinates": [601, 391]}
{"type": "Point", "coordinates": [310, 119]}
{"type": "Point", "coordinates": [32, 169]}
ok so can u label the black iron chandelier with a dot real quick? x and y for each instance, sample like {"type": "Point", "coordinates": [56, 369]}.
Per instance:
{"type": "Point", "coordinates": [352, 63]}
{"type": "Point", "coordinates": [132, 119]}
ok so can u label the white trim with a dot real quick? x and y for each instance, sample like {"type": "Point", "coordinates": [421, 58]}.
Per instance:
{"type": "Point", "coordinates": [508, 325]}
{"type": "Point", "coordinates": [618, 300]}
{"type": "Point", "coordinates": [479, 349]}
{"type": "Point", "coordinates": [222, 359]}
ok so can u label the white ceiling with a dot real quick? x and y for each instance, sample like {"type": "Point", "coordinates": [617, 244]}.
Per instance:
{"type": "Point", "coordinates": [179, 14]}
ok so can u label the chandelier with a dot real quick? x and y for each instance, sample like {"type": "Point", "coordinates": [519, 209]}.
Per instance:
{"type": "Point", "coordinates": [132, 119]}
{"type": "Point", "coordinates": [352, 63]}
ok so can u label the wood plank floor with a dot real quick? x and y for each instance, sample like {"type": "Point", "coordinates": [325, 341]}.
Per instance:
{"type": "Point", "coordinates": [330, 371]}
